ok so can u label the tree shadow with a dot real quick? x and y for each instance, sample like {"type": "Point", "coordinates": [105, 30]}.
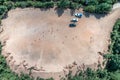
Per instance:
{"type": "Point", "coordinates": [72, 12]}
{"type": "Point", "coordinates": [44, 9]}
{"type": "Point", "coordinates": [59, 11]}
{"type": "Point", "coordinates": [98, 16]}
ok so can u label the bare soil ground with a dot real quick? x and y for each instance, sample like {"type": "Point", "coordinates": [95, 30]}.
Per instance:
{"type": "Point", "coordinates": [42, 40]}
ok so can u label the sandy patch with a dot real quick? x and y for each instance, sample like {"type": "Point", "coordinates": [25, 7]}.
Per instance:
{"type": "Point", "coordinates": [43, 40]}
{"type": "Point", "coordinates": [117, 5]}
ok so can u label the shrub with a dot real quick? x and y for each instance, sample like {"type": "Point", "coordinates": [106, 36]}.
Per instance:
{"type": "Point", "coordinates": [103, 8]}
{"type": "Point", "coordinates": [22, 4]}
{"type": "Point", "coordinates": [3, 10]}
{"type": "Point", "coordinates": [90, 8]}
{"type": "Point", "coordinates": [49, 4]}
{"type": "Point", "coordinates": [113, 63]}
{"type": "Point", "coordinates": [73, 5]}
{"type": "Point", "coordinates": [38, 4]}
{"type": "Point", "coordinates": [9, 4]}
{"type": "Point", "coordinates": [92, 2]}
{"type": "Point", "coordinates": [63, 4]}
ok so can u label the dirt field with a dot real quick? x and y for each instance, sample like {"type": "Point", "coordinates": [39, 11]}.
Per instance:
{"type": "Point", "coordinates": [43, 40]}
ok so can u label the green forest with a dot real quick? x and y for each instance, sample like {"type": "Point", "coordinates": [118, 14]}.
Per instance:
{"type": "Point", "coordinates": [112, 69]}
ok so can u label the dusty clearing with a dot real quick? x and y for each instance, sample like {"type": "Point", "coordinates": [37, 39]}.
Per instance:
{"type": "Point", "coordinates": [44, 40]}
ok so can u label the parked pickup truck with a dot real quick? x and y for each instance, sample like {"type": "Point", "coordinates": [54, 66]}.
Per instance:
{"type": "Point", "coordinates": [78, 15]}
{"type": "Point", "coordinates": [74, 20]}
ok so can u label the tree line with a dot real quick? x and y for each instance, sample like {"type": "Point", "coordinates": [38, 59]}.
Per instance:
{"type": "Point", "coordinates": [93, 6]}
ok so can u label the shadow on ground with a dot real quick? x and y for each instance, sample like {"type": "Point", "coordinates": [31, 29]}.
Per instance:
{"type": "Point", "coordinates": [98, 16]}
{"type": "Point", "coordinates": [59, 11]}
{"type": "Point", "coordinates": [72, 12]}
{"type": "Point", "coordinates": [44, 9]}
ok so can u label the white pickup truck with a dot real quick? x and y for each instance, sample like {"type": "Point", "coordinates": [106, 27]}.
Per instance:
{"type": "Point", "coordinates": [78, 15]}
{"type": "Point", "coordinates": [74, 20]}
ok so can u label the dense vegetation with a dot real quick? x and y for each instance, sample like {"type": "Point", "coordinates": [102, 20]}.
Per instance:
{"type": "Point", "coordinates": [112, 70]}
